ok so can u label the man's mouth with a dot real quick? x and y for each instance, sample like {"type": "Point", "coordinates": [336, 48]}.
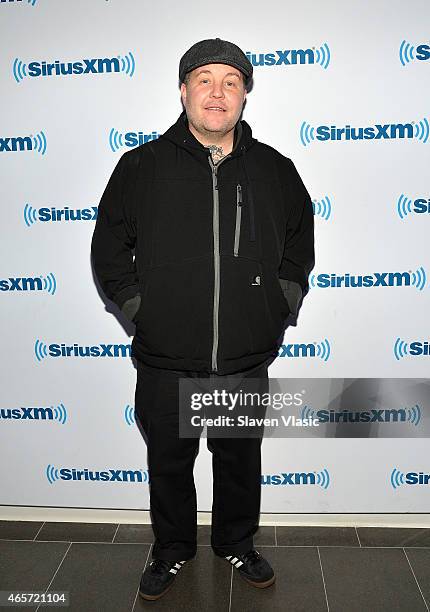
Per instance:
{"type": "Point", "coordinates": [215, 109]}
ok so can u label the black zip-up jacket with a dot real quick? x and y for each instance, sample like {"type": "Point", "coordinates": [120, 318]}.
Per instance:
{"type": "Point", "coordinates": [220, 251]}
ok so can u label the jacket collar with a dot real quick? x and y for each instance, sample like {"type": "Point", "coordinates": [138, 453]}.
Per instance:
{"type": "Point", "coordinates": [180, 134]}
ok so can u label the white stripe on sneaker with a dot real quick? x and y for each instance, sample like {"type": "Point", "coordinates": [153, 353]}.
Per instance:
{"type": "Point", "coordinates": [178, 565]}
{"type": "Point", "coordinates": [234, 561]}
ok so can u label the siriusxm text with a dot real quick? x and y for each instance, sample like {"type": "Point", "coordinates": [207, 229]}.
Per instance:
{"type": "Point", "coordinates": [84, 66]}
{"type": "Point", "coordinates": [377, 279]}
{"type": "Point", "coordinates": [99, 350]}
{"type": "Point", "coordinates": [375, 132]}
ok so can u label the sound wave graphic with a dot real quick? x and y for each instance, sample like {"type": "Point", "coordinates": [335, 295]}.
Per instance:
{"type": "Point", "coordinates": [323, 478]}
{"type": "Point", "coordinates": [404, 206]}
{"type": "Point", "coordinates": [40, 350]}
{"type": "Point", "coordinates": [52, 473]}
{"type": "Point", "coordinates": [323, 350]}
{"type": "Point", "coordinates": [422, 130]}
{"type": "Point", "coordinates": [30, 215]}
{"type": "Point", "coordinates": [406, 53]}
{"type": "Point", "coordinates": [129, 415]}
{"type": "Point", "coordinates": [127, 63]}
{"type": "Point", "coordinates": [115, 140]}
{"type": "Point", "coordinates": [400, 349]}
{"type": "Point", "coordinates": [60, 413]}
{"type": "Point", "coordinates": [307, 412]}
{"type": "Point", "coordinates": [322, 207]}
{"type": "Point", "coordinates": [414, 414]}
{"type": "Point", "coordinates": [397, 478]}
{"type": "Point", "coordinates": [419, 278]}
{"type": "Point", "coordinates": [307, 133]}
{"type": "Point", "coordinates": [49, 283]}
{"type": "Point", "coordinates": [19, 70]}
{"type": "Point", "coordinates": [323, 56]}
{"type": "Point", "coordinates": [39, 143]}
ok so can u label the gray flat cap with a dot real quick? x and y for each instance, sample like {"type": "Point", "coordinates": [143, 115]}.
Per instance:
{"type": "Point", "coordinates": [214, 51]}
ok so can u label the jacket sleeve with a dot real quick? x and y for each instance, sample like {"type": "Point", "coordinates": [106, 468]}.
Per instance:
{"type": "Point", "coordinates": [114, 236]}
{"type": "Point", "coordinates": [298, 258]}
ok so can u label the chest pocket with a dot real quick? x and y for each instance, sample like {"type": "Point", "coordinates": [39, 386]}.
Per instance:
{"type": "Point", "coordinates": [238, 224]}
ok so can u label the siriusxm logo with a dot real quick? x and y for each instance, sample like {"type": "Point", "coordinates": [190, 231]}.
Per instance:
{"type": "Point", "coordinates": [43, 413]}
{"type": "Point", "coordinates": [376, 279]}
{"type": "Point", "coordinates": [408, 53]}
{"type": "Point", "coordinates": [389, 415]}
{"type": "Point", "coordinates": [110, 475]}
{"type": "Point", "coordinates": [29, 283]}
{"type": "Point", "coordinates": [129, 139]}
{"type": "Point", "coordinates": [31, 2]}
{"type": "Point", "coordinates": [98, 65]}
{"type": "Point", "coordinates": [313, 349]}
{"type": "Point", "coordinates": [321, 478]}
{"type": "Point", "coordinates": [405, 206]}
{"type": "Point", "coordinates": [44, 214]}
{"type": "Point", "coordinates": [398, 478]}
{"type": "Point", "coordinates": [411, 349]}
{"type": "Point", "coordinates": [389, 131]}
{"type": "Point", "coordinates": [24, 143]}
{"type": "Point", "coordinates": [42, 350]}
{"type": "Point", "coordinates": [291, 57]}
{"type": "Point", "coordinates": [322, 208]}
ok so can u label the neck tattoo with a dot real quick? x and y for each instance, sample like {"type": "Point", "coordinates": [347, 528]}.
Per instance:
{"type": "Point", "coordinates": [217, 153]}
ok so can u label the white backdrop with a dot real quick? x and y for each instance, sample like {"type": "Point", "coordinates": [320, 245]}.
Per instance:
{"type": "Point", "coordinates": [358, 64]}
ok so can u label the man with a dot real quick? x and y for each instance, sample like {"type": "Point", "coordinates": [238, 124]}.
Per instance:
{"type": "Point", "coordinates": [222, 228]}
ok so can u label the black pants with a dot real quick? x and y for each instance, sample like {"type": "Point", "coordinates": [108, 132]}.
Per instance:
{"type": "Point", "coordinates": [236, 465]}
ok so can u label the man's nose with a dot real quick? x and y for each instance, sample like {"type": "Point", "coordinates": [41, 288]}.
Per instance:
{"type": "Point", "coordinates": [217, 90]}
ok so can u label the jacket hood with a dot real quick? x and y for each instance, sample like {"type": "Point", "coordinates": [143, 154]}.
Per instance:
{"type": "Point", "coordinates": [180, 134]}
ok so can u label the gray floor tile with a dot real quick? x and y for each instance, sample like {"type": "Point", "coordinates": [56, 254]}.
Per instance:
{"type": "Point", "coordinates": [420, 562]}
{"type": "Point", "coordinates": [316, 536]}
{"type": "Point", "coordinates": [298, 587]}
{"type": "Point", "coordinates": [29, 566]}
{"type": "Point", "coordinates": [265, 536]}
{"type": "Point", "coordinates": [369, 579]}
{"type": "Point", "coordinates": [141, 534]}
{"type": "Point", "coordinates": [78, 532]}
{"type": "Point", "coordinates": [101, 577]}
{"type": "Point", "coordinates": [202, 584]}
{"type": "Point", "coordinates": [19, 530]}
{"type": "Point", "coordinates": [393, 536]}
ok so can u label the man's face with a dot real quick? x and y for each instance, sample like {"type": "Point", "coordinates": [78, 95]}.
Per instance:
{"type": "Point", "coordinates": [213, 98]}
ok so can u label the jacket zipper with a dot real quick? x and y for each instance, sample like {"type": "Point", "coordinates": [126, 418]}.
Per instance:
{"type": "Point", "coordinates": [215, 226]}
{"type": "Point", "coordinates": [238, 219]}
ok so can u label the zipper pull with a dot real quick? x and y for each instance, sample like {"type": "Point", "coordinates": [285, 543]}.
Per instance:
{"type": "Point", "coordinates": [239, 194]}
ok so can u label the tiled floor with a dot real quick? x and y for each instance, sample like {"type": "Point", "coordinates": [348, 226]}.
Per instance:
{"type": "Point", "coordinates": [319, 569]}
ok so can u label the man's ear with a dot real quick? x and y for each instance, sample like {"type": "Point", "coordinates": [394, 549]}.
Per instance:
{"type": "Point", "coordinates": [183, 93]}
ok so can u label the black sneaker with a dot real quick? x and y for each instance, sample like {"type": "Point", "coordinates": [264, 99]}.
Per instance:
{"type": "Point", "coordinates": [253, 568]}
{"type": "Point", "coordinates": [158, 577]}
